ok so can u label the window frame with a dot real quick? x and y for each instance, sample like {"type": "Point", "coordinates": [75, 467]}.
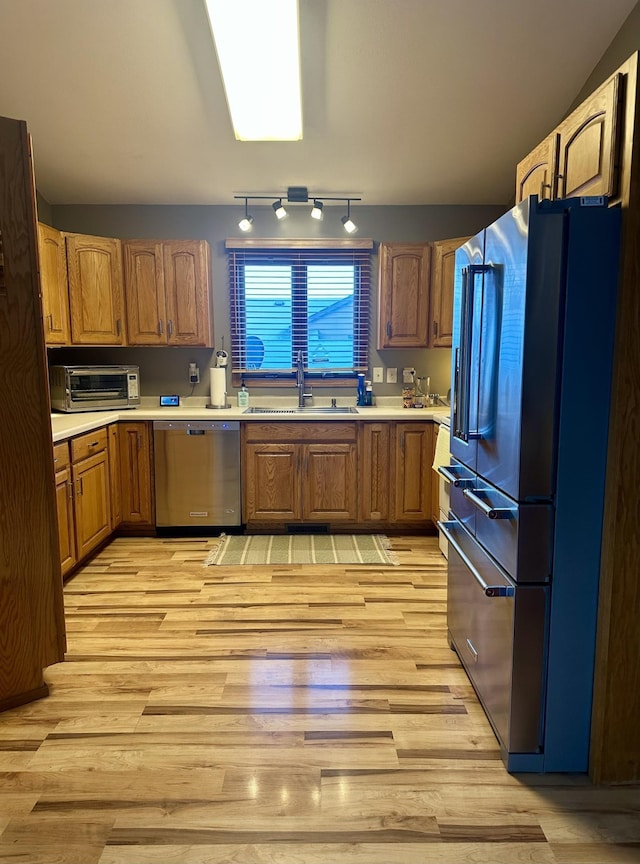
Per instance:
{"type": "Point", "coordinates": [362, 251]}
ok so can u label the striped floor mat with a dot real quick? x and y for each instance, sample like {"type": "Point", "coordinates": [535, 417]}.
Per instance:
{"type": "Point", "coordinates": [303, 549]}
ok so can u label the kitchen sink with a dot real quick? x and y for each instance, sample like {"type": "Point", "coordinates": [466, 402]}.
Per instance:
{"type": "Point", "coordinates": [307, 410]}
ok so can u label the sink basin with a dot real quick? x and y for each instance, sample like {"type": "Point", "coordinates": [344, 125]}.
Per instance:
{"type": "Point", "coordinates": [308, 410]}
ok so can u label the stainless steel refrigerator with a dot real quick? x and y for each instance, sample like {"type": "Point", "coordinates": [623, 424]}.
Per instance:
{"type": "Point", "coordinates": [534, 318]}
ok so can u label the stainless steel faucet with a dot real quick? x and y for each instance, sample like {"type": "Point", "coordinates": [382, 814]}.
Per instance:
{"type": "Point", "coordinates": [300, 380]}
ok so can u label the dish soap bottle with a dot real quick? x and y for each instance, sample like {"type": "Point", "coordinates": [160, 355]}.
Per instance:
{"type": "Point", "coordinates": [243, 396]}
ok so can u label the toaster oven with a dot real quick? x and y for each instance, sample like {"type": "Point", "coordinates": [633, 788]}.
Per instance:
{"type": "Point", "coordinates": [94, 388]}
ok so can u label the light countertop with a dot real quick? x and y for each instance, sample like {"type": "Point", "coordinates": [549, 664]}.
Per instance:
{"type": "Point", "coordinates": [194, 408]}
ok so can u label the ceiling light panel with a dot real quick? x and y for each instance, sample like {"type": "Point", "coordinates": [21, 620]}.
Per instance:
{"type": "Point", "coordinates": [262, 85]}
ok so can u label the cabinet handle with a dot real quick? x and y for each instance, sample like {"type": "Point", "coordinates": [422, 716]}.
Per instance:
{"type": "Point", "coordinates": [389, 329]}
{"type": "Point", "coordinates": [70, 493]}
{"type": "Point", "coordinates": [160, 326]}
{"type": "Point", "coordinates": [118, 327]}
{"type": "Point", "coordinates": [560, 179]}
{"type": "Point", "coordinates": [50, 322]}
{"type": "Point", "coordinates": [170, 327]}
{"type": "Point", "coordinates": [80, 487]}
{"type": "Point", "coordinates": [435, 328]}
{"type": "Point", "coordinates": [94, 444]}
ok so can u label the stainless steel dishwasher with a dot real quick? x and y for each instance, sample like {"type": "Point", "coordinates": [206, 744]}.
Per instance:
{"type": "Point", "coordinates": [197, 473]}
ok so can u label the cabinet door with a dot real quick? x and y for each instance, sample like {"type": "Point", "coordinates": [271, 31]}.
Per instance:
{"type": "Point", "coordinates": [403, 295]}
{"type": "Point", "coordinates": [537, 173]}
{"type": "Point", "coordinates": [114, 475]}
{"type": "Point", "coordinates": [444, 262]}
{"type": "Point", "coordinates": [412, 476]}
{"type": "Point", "coordinates": [95, 290]}
{"type": "Point", "coordinates": [272, 482]}
{"type": "Point", "coordinates": [92, 513]}
{"type": "Point", "coordinates": [135, 473]}
{"type": "Point", "coordinates": [53, 283]}
{"type": "Point", "coordinates": [588, 145]}
{"type": "Point", "coordinates": [375, 472]}
{"type": "Point", "coordinates": [330, 493]}
{"type": "Point", "coordinates": [66, 523]}
{"type": "Point", "coordinates": [186, 280]}
{"type": "Point", "coordinates": [144, 292]}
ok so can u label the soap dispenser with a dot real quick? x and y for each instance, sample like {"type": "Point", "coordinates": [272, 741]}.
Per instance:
{"type": "Point", "coordinates": [243, 396]}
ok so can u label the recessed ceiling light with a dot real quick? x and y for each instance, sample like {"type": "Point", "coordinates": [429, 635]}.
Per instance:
{"type": "Point", "coordinates": [262, 85]}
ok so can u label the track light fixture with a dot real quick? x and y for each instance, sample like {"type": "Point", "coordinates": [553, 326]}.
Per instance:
{"type": "Point", "coordinates": [245, 223]}
{"type": "Point", "coordinates": [279, 209]}
{"type": "Point", "coordinates": [297, 195]}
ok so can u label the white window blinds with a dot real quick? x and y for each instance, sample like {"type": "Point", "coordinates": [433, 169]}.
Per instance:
{"type": "Point", "coordinates": [305, 297]}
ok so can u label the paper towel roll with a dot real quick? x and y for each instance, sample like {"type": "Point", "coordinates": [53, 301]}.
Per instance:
{"type": "Point", "coordinates": [218, 379]}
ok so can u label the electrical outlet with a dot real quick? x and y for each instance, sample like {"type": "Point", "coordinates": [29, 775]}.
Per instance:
{"type": "Point", "coordinates": [194, 374]}
{"type": "Point", "coordinates": [378, 374]}
{"type": "Point", "coordinates": [392, 375]}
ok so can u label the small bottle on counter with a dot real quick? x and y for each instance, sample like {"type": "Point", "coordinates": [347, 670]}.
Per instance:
{"type": "Point", "coordinates": [243, 396]}
{"type": "Point", "coordinates": [360, 399]}
{"type": "Point", "coordinates": [368, 393]}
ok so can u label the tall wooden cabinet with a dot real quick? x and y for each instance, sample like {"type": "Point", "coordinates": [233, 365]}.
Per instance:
{"type": "Point", "coordinates": [94, 266]}
{"type": "Point", "coordinates": [167, 292]}
{"type": "Point", "coordinates": [53, 281]}
{"type": "Point", "coordinates": [599, 154]}
{"type": "Point", "coordinates": [413, 458]}
{"type": "Point", "coordinates": [403, 298]}
{"type": "Point", "coordinates": [32, 634]}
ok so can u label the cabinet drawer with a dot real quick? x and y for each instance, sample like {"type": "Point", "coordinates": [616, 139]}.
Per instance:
{"type": "Point", "coordinates": [314, 432]}
{"type": "Point", "coordinates": [61, 456]}
{"type": "Point", "coordinates": [88, 445]}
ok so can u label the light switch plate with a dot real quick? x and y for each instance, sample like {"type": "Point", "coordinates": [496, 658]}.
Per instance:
{"type": "Point", "coordinates": [392, 375]}
{"type": "Point", "coordinates": [378, 374]}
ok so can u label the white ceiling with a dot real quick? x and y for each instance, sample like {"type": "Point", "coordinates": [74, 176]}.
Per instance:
{"type": "Point", "coordinates": [405, 101]}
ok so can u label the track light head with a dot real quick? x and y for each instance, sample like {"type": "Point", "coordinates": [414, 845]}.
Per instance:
{"type": "Point", "coordinates": [348, 223]}
{"type": "Point", "coordinates": [247, 221]}
{"type": "Point", "coordinates": [316, 212]}
{"type": "Point", "coordinates": [279, 209]}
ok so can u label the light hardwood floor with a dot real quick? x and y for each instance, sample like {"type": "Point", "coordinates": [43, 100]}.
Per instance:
{"type": "Point", "coordinates": [282, 715]}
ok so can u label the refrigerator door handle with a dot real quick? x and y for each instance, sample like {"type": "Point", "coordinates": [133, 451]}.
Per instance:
{"type": "Point", "coordinates": [463, 356]}
{"type": "Point", "coordinates": [458, 482]}
{"type": "Point", "coordinates": [489, 512]}
{"type": "Point", "coordinates": [489, 590]}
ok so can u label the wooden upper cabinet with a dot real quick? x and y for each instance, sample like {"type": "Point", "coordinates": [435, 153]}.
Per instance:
{"type": "Point", "coordinates": [94, 267]}
{"type": "Point", "coordinates": [53, 283]}
{"type": "Point", "coordinates": [186, 280]}
{"type": "Point", "coordinates": [144, 292]}
{"type": "Point", "coordinates": [588, 150]}
{"type": "Point", "coordinates": [442, 276]}
{"type": "Point", "coordinates": [167, 292]}
{"type": "Point", "coordinates": [403, 306]}
{"type": "Point", "coordinates": [537, 174]}
{"type": "Point", "coordinates": [581, 156]}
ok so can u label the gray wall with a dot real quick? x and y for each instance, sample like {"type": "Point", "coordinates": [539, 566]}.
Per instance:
{"type": "Point", "coordinates": [164, 370]}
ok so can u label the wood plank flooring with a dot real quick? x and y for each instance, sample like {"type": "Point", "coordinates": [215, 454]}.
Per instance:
{"type": "Point", "coordinates": [282, 715]}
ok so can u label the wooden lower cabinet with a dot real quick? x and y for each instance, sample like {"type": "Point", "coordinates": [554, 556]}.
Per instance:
{"type": "Point", "coordinates": [300, 472]}
{"type": "Point", "coordinates": [136, 485]}
{"type": "Point", "coordinates": [413, 458]}
{"type": "Point", "coordinates": [64, 507]}
{"type": "Point", "coordinates": [375, 459]}
{"type": "Point", "coordinates": [91, 502]}
{"type": "Point", "coordinates": [397, 483]}
{"type": "Point", "coordinates": [113, 444]}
